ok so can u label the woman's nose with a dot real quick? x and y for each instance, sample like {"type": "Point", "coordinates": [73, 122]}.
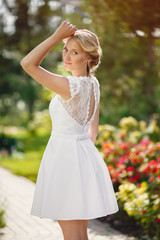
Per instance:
{"type": "Point", "coordinates": [67, 56]}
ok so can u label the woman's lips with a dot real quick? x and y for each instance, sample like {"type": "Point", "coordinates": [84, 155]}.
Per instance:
{"type": "Point", "coordinates": [67, 63]}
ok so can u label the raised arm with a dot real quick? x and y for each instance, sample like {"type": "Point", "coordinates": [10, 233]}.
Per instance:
{"type": "Point", "coordinates": [30, 63]}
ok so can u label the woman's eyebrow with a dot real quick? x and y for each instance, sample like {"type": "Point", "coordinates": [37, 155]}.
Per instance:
{"type": "Point", "coordinates": [72, 48]}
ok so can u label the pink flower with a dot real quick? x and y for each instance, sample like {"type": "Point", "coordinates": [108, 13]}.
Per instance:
{"type": "Point", "coordinates": [145, 142]}
{"type": "Point", "coordinates": [151, 179]}
{"type": "Point", "coordinates": [122, 159]}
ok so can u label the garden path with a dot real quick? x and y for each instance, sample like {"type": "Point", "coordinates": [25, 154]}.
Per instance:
{"type": "Point", "coordinates": [16, 194]}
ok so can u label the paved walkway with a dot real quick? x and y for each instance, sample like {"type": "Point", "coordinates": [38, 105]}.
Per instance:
{"type": "Point", "coordinates": [16, 194]}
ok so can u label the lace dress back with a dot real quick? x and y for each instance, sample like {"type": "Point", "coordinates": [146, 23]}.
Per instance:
{"type": "Point", "coordinates": [85, 96]}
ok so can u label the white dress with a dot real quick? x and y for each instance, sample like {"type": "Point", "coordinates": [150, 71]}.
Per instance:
{"type": "Point", "coordinates": [73, 181]}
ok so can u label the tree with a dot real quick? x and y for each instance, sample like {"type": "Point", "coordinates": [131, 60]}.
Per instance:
{"type": "Point", "coordinates": [30, 28]}
{"type": "Point", "coordinates": [129, 68]}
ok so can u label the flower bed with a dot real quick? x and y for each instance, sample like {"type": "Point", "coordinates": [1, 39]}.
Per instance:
{"type": "Point", "coordinates": [133, 160]}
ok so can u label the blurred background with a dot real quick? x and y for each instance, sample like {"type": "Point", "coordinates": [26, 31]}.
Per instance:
{"type": "Point", "coordinates": [129, 76]}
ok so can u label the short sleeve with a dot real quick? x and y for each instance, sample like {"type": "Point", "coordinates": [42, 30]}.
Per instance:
{"type": "Point", "coordinates": [74, 85]}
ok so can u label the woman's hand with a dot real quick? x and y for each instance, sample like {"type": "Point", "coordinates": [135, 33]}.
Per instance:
{"type": "Point", "coordinates": [65, 30]}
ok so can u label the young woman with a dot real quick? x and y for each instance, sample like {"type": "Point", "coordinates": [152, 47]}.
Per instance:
{"type": "Point", "coordinates": [73, 183]}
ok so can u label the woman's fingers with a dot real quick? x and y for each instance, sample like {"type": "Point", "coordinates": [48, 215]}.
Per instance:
{"type": "Point", "coordinates": [69, 24]}
{"type": "Point", "coordinates": [66, 29]}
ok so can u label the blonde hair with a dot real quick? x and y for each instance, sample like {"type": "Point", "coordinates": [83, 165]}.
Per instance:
{"type": "Point", "coordinates": [89, 42]}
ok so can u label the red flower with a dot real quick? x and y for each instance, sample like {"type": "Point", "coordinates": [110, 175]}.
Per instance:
{"type": "Point", "coordinates": [114, 179]}
{"type": "Point", "coordinates": [118, 164]}
{"type": "Point", "coordinates": [130, 169]}
{"type": "Point", "coordinates": [107, 154]}
{"type": "Point", "coordinates": [157, 219]}
{"type": "Point", "coordinates": [123, 145]}
{"type": "Point", "coordinates": [143, 212]}
{"type": "Point", "coordinates": [151, 151]}
{"type": "Point", "coordinates": [110, 168]}
{"type": "Point", "coordinates": [137, 152]}
{"type": "Point", "coordinates": [154, 170]}
{"type": "Point", "coordinates": [134, 160]}
{"type": "Point", "coordinates": [158, 165]}
{"type": "Point", "coordinates": [152, 167]}
{"type": "Point", "coordinates": [152, 162]}
{"type": "Point", "coordinates": [135, 178]}
{"type": "Point", "coordinates": [128, 153]}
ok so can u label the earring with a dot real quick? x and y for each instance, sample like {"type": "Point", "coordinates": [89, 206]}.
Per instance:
{"type": "Point", "coordinates": [87, 69]}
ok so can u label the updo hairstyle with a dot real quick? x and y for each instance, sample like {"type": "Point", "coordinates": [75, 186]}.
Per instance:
{"type": "Point", "coordinates": [89, 42]}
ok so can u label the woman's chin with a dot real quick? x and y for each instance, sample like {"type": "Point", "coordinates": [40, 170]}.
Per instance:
{"type": "Point", "coordinates": [67, 68]}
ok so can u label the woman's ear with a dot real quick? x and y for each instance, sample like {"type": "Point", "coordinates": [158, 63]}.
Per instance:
{"type": "Point", "coordinates": [89, 59]}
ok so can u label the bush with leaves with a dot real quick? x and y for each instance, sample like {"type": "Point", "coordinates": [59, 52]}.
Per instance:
{"type": "Point", "coordinates": [133, 160]}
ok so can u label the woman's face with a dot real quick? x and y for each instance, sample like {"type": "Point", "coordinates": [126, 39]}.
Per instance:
{"type": "Point", "coordinates": [74, 57]}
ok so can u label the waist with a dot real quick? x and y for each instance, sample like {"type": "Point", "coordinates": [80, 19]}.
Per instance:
{"type": "Point", "coordinates": [70, 135]}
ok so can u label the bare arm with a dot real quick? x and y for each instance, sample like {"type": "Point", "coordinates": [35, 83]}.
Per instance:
{"type": "Point", "coordinates": [30, 63]}
{"type": "Point", "coordinates": [93, 129]}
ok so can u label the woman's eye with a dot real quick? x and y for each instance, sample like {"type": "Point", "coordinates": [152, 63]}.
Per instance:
{"type": "Point", "coordinates": [64, 49]}
{"type": "Point", "coordinates": [75, 52]}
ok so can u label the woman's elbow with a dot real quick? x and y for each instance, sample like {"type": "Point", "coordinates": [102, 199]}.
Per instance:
{"type": "Point", "coordinates": [27, 67]}
{"type": "Point", "coordinates": [25, 61]}
{"type": "Point", "coordinates": [24, 64]}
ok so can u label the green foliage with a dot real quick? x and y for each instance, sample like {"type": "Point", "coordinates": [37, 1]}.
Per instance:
{"type": "Point", "coordinates": [32, 25]}
{"type": "Point", "coordinates": [2, 219]}
{"type": "Point", "coordinates": [27, 167]}
{"type": "Point", "coordinates": [138, 14]}
{"type": "Point", "coordinates": [129, 70]}
{"type": "Point", "coordinates": [27, 164]}
{"type": "Point", "coordinates": [133, 160]}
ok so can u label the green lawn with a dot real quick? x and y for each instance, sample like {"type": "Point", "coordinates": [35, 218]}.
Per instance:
{"type": "Point", "coordinates": [34, 146]}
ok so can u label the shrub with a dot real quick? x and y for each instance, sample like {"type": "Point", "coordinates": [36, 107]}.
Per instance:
{"type": "Point", "coordinates": [133, 160]}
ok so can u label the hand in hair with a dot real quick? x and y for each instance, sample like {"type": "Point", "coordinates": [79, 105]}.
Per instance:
{"type": "Point", "coordinates": [65, 30]}
{"type": "Point", "coordinates": [31, 62]}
